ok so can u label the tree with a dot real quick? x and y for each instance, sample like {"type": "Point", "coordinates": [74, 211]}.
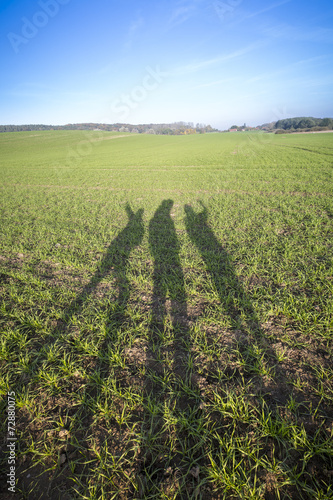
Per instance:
{"type": "Point", "coordinates": [327, 122]}
{"type": "Point", "coordinates": [306, 123]}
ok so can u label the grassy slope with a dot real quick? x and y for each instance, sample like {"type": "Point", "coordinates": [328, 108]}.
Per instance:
{"type": "Point", "coordinates": [178, 348]}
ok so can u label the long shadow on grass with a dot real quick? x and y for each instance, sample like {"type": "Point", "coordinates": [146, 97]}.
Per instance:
{"type": "Point", "coordinates": [170, 399]}
{"type": "Point", "coordinates": [114, 264]}
{"type": "Point", "coordinates": [232, 296]}
{"type": "Point", "coordinates": [255, 359]}
{"type": "Point", "coordinates": [80, 417]}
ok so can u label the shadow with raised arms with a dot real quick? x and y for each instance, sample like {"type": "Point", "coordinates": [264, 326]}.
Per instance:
{"type": "Point", "coordinates": [76, 398]}
{"type": "Point", "coordinates": [235, 304]}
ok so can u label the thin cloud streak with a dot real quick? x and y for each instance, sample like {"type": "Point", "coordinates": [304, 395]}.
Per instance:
{"type": "Point", "coordinates": [287, 68]}
{"type": "Point", "coordinates": [251, 15]}
{"type": "Point", "coordinates": [194, 67]}
{"type": "Point", "coordinates": [183, 12]}
{"type": "Point", "coordinates": [181, 15]}
{"type": "Point", "coordinates": [267, 9]}
{"type": "Point", "coordinates": [133, 29]}
{"type": "Point", "coordinates": [295, 34]}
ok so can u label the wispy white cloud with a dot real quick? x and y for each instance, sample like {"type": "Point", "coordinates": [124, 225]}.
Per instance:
{"type": "Point", "coordinates": [133, 30]}
{"type": "Point", "coordinates": [266, 9]}
{"type": "Point", "coordinates": [240, 14]}
{"type": "Point", "coordinates": [181, 15]}
{"type": "Point", "coordinates": [201, 65]}
{"type": "Point", "coordinates": [288, 68]}
{"type": "Point", "coordinates": [318, 82]}
{"type": "Point", "coordinates": [294, 33]}
{"type": "Point", "coordinates": [184, 10]}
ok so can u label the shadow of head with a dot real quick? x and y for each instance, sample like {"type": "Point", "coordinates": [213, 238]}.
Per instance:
{"type": "Point", "coordinates": [162, 216]}
{"type": "Point", "coordinates": [166, 206]}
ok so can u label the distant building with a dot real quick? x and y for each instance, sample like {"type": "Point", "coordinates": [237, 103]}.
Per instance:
{"type": "Point", "coordinates": [233, 130]}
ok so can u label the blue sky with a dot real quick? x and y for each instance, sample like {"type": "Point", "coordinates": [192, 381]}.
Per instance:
{"type": "Point", "coordinates": [213, 62]}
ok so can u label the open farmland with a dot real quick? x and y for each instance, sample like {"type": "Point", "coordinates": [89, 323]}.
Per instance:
{"type": "Point", "coordinates": [166, 315]}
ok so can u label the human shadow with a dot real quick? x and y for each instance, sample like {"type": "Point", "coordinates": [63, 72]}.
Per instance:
{"type": "Point", "coordinates": [113, 264]}
{"type": "Point", "coordinates": [234, 300]}
{"type": "Point", "coordinates": [256, 374]}
{"type": "Point", "coordinates": [169, 295]}
{"type": "Point", "coordinates": [168, 386]}
{"type": "Point", "coordinates": [217, 262]}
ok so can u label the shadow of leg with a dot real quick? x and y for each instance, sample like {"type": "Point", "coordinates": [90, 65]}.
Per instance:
{"type": "Point", "coordinates": [170, 400]}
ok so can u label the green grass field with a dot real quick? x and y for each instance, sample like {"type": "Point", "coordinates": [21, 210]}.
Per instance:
{"type": "Point", "coordinates": [166, 315]}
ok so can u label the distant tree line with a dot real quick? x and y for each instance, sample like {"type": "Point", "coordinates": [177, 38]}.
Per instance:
{"type": "Point", "coordinates": [287, 125]}
{"type": "Point", "coordinates": [27, 128]}
{"type": "Point", "coordinates": [293, 124]}
{"type": "Point", "coordinates": [176, 128]}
